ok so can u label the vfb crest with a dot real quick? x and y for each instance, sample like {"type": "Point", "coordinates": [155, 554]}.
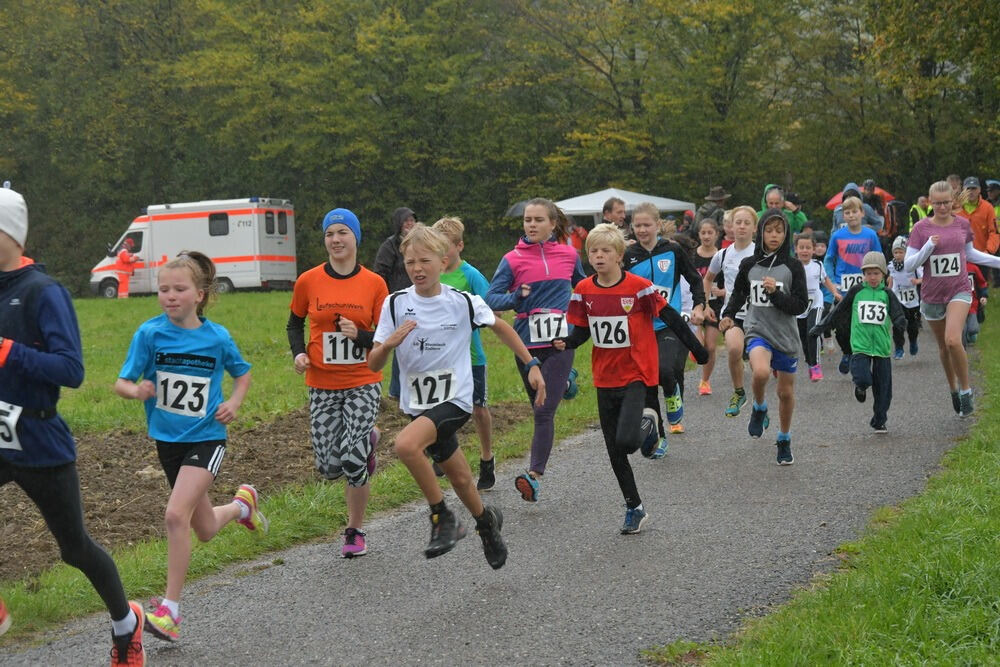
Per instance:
{"type": "Point", "coordinates": [663, 265]}
{"type": "Point", "coordinates": [627, 303]}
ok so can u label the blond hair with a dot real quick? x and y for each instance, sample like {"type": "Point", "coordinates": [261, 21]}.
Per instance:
{"type": "Point", "coordinates": [854, 204]}
{"type": "Point", "coordinates": [667, 228]}
{"type": "Point", "coordinates": [426, 238]}
{"type": "Point", "coordinates": [451, 228]}
{"type": "Point", "coordinates": [647, 208]}
{"type": "Point", "coordinates": [749, 210]}
{"type": "Point", "coordinates": [942, 187]}
{"type": "Point", "coordinates": [202, 274]}
{"type": "Point", "coordinates": [606, 234]}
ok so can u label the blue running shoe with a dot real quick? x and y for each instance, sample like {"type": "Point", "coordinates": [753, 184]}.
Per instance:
{"type": "Point", "coordinates": [675, 406]}
{"type": "Point", "coordinates": [527, 486]}
{"type": "Point", "coordinates": [634, 518]}
{"type": "Point", "coordinates": [572, 388]}
{"type": "Point", "coordinates": [913, 348]}
{"type": "Point", "coordinates": [785, 453]}
{"type": "Point", "coordinates": [736, 402]}
{"type": "Point", "coordinates": [661, 449]}
{"type": "Point", "coordinates": [649, 432]}
{"type": "Point", "coordinates": [898, 354]}
{"type": "Point", "coordinates": [758, 422]}
{"type": "Point", "coordinates": [845, 364]}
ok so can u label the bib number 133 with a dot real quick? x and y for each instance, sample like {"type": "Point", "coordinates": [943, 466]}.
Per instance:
{"type": "Point", "coordinates": [431, 388]}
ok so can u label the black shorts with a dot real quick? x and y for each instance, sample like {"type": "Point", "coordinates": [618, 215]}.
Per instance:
{"type": "Point", "coordinates": [447, 418]}
{"type": "Point", "coordinates": [207, 454]}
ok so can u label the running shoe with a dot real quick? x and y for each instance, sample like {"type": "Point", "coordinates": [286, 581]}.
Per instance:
{"type": "Point", "coordinates": [438, 470]}
{"type": "Point", "coordinates": [354, 543]}
{"type": "Point", "coordinates": [860, 393]}
{"type": "Point", "coordinates": [676, 428]}
{"type": "Point", "coordinates": [736, 401]}
{"type": "Point", "coordinates": [675, 406]}
{"type": "Point", "coordinates": [128, 649]}
{"type": "Point", "coordinates": [4, 618]}
{"type": "Point", "coordinates": [758, 422]}
{"type": "Point", "coordinates": [898, 354]}
{"type": "Point", "coordinates": [845, 364]}
{"type": "Point", "coordinates": [913, 348]}
{"type": "Point", "coordinates": [489, 532]}
{"type": "Point", "coordinates": [704, 388]}
{"type": "Point", "coordinates": [955, 403]}
{"type": "Point", "coordinates": [373, 438]}
{"type": "Point", "coordinates": [785, 453]}
{"type": "Point", "coordinates": [965, 405]}
{"type": "Point", "coordinates": [572, 388]}
{"type": "Point", "coordinates": [527, 486]}
{"type": "Point", "coordinates": [880, 429]}
{"type": "Point", "coordinates": [446, 530]}
{"type": "Point", "coordinates": [255, 521]}
{"type": "Point", "coordinates": [487, 475]}
{"type": "Point", "coordinates": [660, 451]}
{"type": "Point", "coordinates": [816, 373]}
{"type": "Point", "coordinates": [634, 518]}
{"type": "Point", "coordinates": [649, 428]}
{"type": "Point", "coordinates": [162, 624]}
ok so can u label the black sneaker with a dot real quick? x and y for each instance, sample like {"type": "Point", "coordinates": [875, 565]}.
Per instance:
{"type": "Point", "coordinates": [845, 364]}
{"type": "Point", "coordinates": [758, 422]}
{"type": "Point", "coordinates": [437, 469]}
{"type": "Point", "coordinates": [860, 393]}
{"type": "Point", "coordinates": [785, 453]}
{"type": "Point", "coordinates": [965, 405]}
{"type": "Point", "coordinates": [955, 403]}
{"type": "Point", "coordinates": [487, 477]}
{"type": "Point", "coordinates": [446, 530]}
{"type": "Point", "coordinates": [880, 429]}
{"type": "Point", "coordinates": [489, 532]}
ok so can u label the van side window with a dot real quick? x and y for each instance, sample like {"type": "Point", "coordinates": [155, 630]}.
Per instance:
{"type": "Point", "coordinates": [282, 222]}
{"type": "Point", "coordinates": [136, 238]}
{"type": "Point", "coordinates": [218, 224]}
{"type": "Point", "coordinates": [269, 222]}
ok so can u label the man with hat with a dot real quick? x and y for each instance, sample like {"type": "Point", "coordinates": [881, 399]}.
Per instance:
{"type": "Point", "coordinates": [713, 207]}
{"type": "Point", "coordinates": [982, 217]}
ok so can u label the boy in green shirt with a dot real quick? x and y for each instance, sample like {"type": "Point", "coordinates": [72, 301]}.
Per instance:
{"type": "Point", "coordinates": [874, 311]}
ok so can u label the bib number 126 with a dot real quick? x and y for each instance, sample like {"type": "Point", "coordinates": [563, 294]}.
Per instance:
{"type": "Point", "coordinates": [609, 332]}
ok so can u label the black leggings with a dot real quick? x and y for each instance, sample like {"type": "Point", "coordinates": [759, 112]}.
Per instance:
{"type": "Point", "coordinates": [56, 492]}
{"type": "Point", "coordinates": [810, 344]}
{"type": "Point", "coordinates": [912, 327]}
{"type": "Point", "coordinates": [673, 357]}
{"type": "Point", "coordinates": [620, 410]}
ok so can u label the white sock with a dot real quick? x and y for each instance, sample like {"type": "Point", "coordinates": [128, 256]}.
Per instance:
{"type": "Point", "coordinates": [244, 509]}
{"type": "Point", "coordinates": [965, 392]}
{"type": "Point", "coordinates": [174, 607]}
{"type": "Point", "coordinates": [124, 626]}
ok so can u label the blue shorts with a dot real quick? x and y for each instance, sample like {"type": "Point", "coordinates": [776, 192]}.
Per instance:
{"type": "Point", "coordinates": [780, 361]}
{"type": "Point", "coordinates": [479, 386]}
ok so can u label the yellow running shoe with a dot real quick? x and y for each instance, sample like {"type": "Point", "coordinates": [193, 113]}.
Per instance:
{"type": "Point", "coordinates": [162, 624]}
{"type": "Point", "coordinates": [255, 521]}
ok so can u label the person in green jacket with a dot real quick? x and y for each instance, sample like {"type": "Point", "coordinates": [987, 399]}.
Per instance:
{"type": "Point", "coordinates": [774, 197]}
{"type": "Point", "coordinates": [875, 310]}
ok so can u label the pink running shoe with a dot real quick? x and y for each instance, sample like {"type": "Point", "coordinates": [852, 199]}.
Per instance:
{"type": "Point", "coordinates": [815, 373]}
{"type": "Point", "coordinates": [704, 388]}
{"type": "Point", "coordinates": [256, 521]}
{"type": "Point", "coordinates": [354, 543]}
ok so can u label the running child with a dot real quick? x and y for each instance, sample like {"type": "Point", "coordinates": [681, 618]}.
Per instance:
{"type": "Point", "coordinates": [617, 308]}
{"type": "Point", "coordinates": [342, 301]}
{"type": "Point", "coordinates": [40, 352]}
{"type": "Point", "coordinates": [980, 292]}
{"type": "Point", "coordinates": [942, 245]}
{"type": "Point", "coordinates": [464, 277]}
{"type": "Point", "coordinates": [430, 326]}
{"type": "Point", "coordinates": [847, 248]}
{"type": "Point", "coordinates": [906, 286]}
{"type": "Point", "coordinates": [175, 365]}
{"type": "Point", "coordinates": [535, 280]}
{"type": "Point", "coordinates": [874, 311]}
{"type": "Point", "coordinates": [820, 239]}
{"type": "Point", "coordinates": [727, 262]}
{"type": "Point", "coordinates": [815, 278]}
{"type": "Point", "coordinates": [772, 284]}
{"type": "Point", "coordinates": [708, 330]}
{"type": "Point", "coordinates": [663, 262]}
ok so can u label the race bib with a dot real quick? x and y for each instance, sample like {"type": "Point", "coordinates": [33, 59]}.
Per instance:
{"type": "Point", "coordinates": [185, 395]}
{"type": "Point", "coordinates": [431, 388]}
{"type": "Point", "coordinates": [908, 294]}
{"type": "Point", "coordinates": [945, 266]}
{"type": "Point", "coordinates": [543, 327]}
{"type": "Point", "coordinates": [610, 332]}
{"type": "Point", "coordinates": [849, 280]}
{"type": "Point", "coordinates": [758, 295]}
{"type": "Point", "coordinates": [339, 350]}
{"type": "Point", "coordinates": [871, 312]}
{"type": "Point", "coordinates": [9, 414]}
{"type": "Point", "coordinates": [665, 292]}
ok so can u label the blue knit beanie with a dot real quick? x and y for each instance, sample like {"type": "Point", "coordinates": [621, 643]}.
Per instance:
{"type": "Point", "coordinates": [341, 216]}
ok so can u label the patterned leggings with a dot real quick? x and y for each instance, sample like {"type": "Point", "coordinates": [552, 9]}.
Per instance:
{"type": "Point", "coordinates": [340, 423]}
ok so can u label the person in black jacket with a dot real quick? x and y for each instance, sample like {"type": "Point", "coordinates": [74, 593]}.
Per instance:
{"type": "Point", "coordinates": [389, 265]}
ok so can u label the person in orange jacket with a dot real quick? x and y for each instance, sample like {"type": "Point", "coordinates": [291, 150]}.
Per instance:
{"type": "Point", "coordinates": [125, 267]}
{"type": "Point", "coordinates": [982, 216]}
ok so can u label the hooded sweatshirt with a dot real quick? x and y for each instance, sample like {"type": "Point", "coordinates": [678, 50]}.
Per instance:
{"type": "Point", "coordinates": [664, 266]}
{"type": "Point", "coordinates": [771, 316]}
{"type": "Point", "coordinates": [796, 219]}
{"type": "Point", "coordinates": [388, 259]}
{"type": "Point", "coordinates": [871, 219]}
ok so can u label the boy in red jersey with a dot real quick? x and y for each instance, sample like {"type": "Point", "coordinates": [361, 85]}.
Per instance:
{"type": "Point", "coordinates": [617, 309]}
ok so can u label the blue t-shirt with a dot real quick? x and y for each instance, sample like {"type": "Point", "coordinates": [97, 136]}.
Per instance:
{"type": "Point", "coordinates": [186, 366]}
{"type": "Point", "coordinates": [467, 278]}
{"type": "Point", "coordinates": [845, 254]}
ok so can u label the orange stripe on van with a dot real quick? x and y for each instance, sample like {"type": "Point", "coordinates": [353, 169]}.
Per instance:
{"type": "Point", "coordinates": [217, 260]}
{"type": "Point", "coordinates": [202, 214]}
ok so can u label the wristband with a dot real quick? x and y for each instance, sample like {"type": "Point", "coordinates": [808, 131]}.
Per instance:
{"type": "Point", "coordinates": [531, 364]}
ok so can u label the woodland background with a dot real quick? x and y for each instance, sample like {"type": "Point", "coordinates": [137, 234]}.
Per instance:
{"type": "Point", "coordinates": [466, 106]}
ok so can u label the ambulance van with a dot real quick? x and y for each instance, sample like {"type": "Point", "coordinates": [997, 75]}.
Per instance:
{"type": "Point", "coordinates": [251, 241]}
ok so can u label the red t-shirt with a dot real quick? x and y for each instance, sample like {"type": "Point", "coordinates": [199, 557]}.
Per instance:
{"type": "Point", "coordinates": [976, 281]}
{"type": "Point", "coordinates": [620, 320]}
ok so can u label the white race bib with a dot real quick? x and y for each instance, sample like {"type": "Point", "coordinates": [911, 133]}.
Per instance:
{"type": "Point", "coordinates": [849, 280]}
{"type": "Point", "coordinates": [543, 327]}
{"type": "Point", "coordinates": [181, 394]}
{"type": "Point", "coordinates": [9, 414]}
{"type": "Point", "coordinates": [339, 350]}
{"type": "Point", "coordinates": [871, 312]}
{"type": "Point", "coordinates": [431, 388]}
{"type": "Point", "coordinates": [908, 295]}
{"type": "Point", "coordinates": [610, 332]}
{"type": "Point", "coordinates": [945, 266]}
{"type": "Point", "coordinates": [665, 292]}
{"type": "Point", "coordinates": [758, 295]}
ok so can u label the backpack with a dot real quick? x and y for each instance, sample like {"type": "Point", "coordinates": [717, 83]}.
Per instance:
{"type": "Point", "coordinates": [897, 219]}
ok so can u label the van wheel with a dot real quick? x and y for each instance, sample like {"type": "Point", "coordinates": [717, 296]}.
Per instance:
{"type": "Point", "coordinates": [224, 286]}
{"type": "Point", "coordinates": [109, 288]}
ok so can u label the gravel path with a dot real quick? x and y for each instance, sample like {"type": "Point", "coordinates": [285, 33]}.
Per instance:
{"type": "Point", "coordinates": [729, 534]}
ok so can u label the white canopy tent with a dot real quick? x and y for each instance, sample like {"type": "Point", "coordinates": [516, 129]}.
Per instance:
{"type": "Point", "coordinates": [593, 203]}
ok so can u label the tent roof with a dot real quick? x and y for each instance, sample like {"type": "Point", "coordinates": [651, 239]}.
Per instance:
{"type": "Point", "coordinates": [593, 203]}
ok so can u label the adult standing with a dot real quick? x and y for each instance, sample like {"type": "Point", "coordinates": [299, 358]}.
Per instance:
{"type": "Point", "coordinates": [342, 300]}
{"type": "Point", "coordinates": [982, 217]}
{"type": "Point", "coordinates": [614, 213]}
{"type": "Point", "coordinates": [125, 266]}
{"type": "Point", "coordinates": [919, 211]}
{"type": "Point", "coordinates": [713, 207]}
{"type": "Point", "coordinates": [872, 198]}
{"type": "Point", "coordinates": [389, 265]}
{"type": "Point", "coordinates": [870, 217]}
{"type": "Point", "coordinates": [774, 197]}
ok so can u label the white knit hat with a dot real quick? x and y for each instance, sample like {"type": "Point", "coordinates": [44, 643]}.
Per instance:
{"type": "Point", "coordinates": [13, 215]}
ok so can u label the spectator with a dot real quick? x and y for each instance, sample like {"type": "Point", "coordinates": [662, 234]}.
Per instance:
{"type": "Point", "coordinates": [919, 211]}
{"type": "Point", "coordinates": [982, 217]}
{"type": "Point", "coordinates": [871, 218]}
{"type": "Point", "coordinates": [774, 197]}
{"type": "Point", "coordinates": [872, 198]}
{"type": "Point", "coordinates": [389, 265]}
{"type": "Point", "coordinates": [614, 213]}
{"type": "Point", "coordinates": [955, 181]}
{"type": "Point", "coordinates": [713, 207]}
